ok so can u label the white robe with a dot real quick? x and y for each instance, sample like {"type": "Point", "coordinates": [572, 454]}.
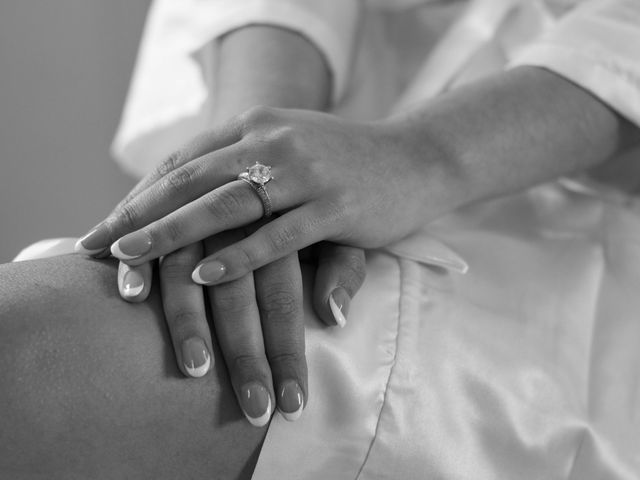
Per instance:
{"type": "Point", "coordinates": [525, 367]}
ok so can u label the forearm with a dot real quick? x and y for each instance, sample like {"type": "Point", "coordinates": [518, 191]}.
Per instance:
{"type": "Point", "coordinates": [262, 65]}
{"type": "Point", "coordinates": [512, 131]}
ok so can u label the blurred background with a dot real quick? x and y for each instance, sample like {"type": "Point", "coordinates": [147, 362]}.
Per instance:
{"type": "Point", "coordinates": [64, 72]}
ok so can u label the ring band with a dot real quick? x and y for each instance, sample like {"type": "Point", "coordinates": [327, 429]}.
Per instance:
{"type": "Point", "coordinates": [258, 176]}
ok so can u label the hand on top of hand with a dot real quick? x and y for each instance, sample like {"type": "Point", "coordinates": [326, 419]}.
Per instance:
{"type": "Point", "coordinates": [353, 183]}
{"type": "Point", "coordinates": [258, 319]}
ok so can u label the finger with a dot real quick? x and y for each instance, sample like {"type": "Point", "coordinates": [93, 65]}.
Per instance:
{"type": "Point", "coordinates": [184, 309]}
{"type": "Point", "coordinates": [125, 215]}
{"type": "Point", "coordinates": [134, 283]}
{"type": "Point", "coordinates": [206, 142]}
{"type": "Point", "coordinates": [237, 324]}
{"type": "Point", "coordinates": [340, 274]}
{"type": "Point", "coordinates": [279, 293]}
{"type": "Point", "coordinates": [289, 233]}
{"type": "Point", "coordinates": [232, 205]}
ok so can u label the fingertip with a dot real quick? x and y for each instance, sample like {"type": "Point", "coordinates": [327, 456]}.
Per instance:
{"type": "Point", "coordinates": [81, 249]}
{"type": "Point", "coordinates": [117, 252]}
{"type": "Point", "coordinates": [196, 358]}
{"type": "Point", "coordinates": [256, 405]}
{"type": "Point", "coordinates": [208, 273]}
{"type": "Point", "coordinates": [339, 301]}
{"type": "Point", "coordinates": [196, 277]}
{"type": "Point", "coordinates": [134, 283]}
{"type": "Point", "coordinates": [94, 242]}
{"type": "Point", "coordinates": [291, 400]}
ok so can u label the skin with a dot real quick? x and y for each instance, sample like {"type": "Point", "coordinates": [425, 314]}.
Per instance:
{"type": "Point", "coordinates": [90, 389]}
{"type": "Point", "coordinates": [257, 65]}
{"type": "Point", "coordinates": [496, 136]}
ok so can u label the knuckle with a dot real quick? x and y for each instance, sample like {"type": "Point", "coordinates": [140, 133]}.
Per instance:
{"type": "Point", "coordinates": [279, 305]}
{"type": "Point", "coordinates": [175, 268]}
{"type": "Point", "coordinates": [282, 239]}
{"type": "Point", "coordinates": [284, 140]}
{"type": "Point", "coordinates": [293, 362]}
{"type": "Point", "coordinates": [171, 163]}
{"type": "Point", "coordinates": [129, 216]}
{"type": "Point", "coordinates": [180, 181]}
{"type": "Point", "coordinates": [246, 364]}
{"type": "Point", "coordinates": [337, 211]}
{"type": "Point", "coordinates": [257, 116]}
{"type": "Point", "coordinates": [183, 321]}
{"type": "Point", "coordinates": [231, 299]}
{"type": "Point", "coordinates": [353, 271]}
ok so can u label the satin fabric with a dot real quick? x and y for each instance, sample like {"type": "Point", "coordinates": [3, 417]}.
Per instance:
{"type": "Point", "coordinates": [384, 55]}
{"type": "Point", "coordinates": [525, 367]}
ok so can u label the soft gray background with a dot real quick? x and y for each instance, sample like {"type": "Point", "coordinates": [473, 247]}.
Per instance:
{"type": "Point", "coordinates": [64, 70]}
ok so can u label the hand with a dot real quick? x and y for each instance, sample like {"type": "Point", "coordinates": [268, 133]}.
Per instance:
{"type": "Point", "coordinates": [334, 180]}
{"type": "Point", "coordinates": [258, 319]}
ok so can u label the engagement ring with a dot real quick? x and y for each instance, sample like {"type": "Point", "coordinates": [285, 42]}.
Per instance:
{"type": "Point", "coordinates": [258, 176]}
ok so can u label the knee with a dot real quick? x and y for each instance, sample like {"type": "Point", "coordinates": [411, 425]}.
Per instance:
{"type": "Point", "coordinates": [89, 383]}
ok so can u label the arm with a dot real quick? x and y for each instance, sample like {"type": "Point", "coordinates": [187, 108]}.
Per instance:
{"type": "Point", "coordinates": [263, 65]}
{"type": "Point", "coordinates": [505, 133]}
{"type": "Point", "coordinates": [509, 132]}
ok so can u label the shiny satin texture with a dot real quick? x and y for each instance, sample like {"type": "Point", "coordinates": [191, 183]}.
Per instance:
{"type": "Point", "coordinates": [501, 342]}
{"type": "Point", "coordinates": [526, 367]}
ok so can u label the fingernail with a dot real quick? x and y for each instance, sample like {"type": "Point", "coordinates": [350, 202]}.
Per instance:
{"type": "Point", "coordinates": [131, 246]}
{"type": "Point", "coordinates": [255, 402]}
{"type": "Point", "coordinates": [339, 302]}
{"type": "Point", "coordinates": [207, 273]}
{"type": "Point", "coordinates": [132, 283]}
{"type": "Point", "coordinates": [94, 242]}
{"type": "Point", "coordinates": [195, 357]}
{"type": "Point", "coordinates": [290, 400]}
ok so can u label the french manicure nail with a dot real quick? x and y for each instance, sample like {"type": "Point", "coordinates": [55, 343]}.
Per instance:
{"type": "Point", "coordinates": [132, 283]}
{"type": "Point", "coordinates": [207, 273]}
{"type": "Point", "coordinates": [339, 303]}
{"type": "Point", "coordinates": [93, 242]}
{"type": "Point", "coordinates": [290, 400]}
{"type": "Point", "coordinates": [255, 402]}
{"type": "Point", "coordinates": [196, 357]}
{"type": "Point", "coordinates": [131, 246]}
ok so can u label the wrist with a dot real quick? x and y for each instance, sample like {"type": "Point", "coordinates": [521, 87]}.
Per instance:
{"type": "Point", "coordinates": [440, 183]}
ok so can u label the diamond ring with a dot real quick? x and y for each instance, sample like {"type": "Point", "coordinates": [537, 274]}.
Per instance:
{"type": "Point", "coordinates": [258, 176]}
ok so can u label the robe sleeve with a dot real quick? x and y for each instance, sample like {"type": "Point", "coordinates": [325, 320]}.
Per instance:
{"type": "Point", "coordinates": [171, 89]}
{"type": "Point", "coordinates": [597, 46]}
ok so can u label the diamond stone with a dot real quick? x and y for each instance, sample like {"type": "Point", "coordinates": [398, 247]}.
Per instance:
{"type": "Point", "coordinates": [259, 173]}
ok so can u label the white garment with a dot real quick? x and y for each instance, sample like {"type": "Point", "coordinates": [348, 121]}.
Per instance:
{"type": "Point", "coordinates": [526, 367]}
{"type": "Point", "coordinates": [374, 49]}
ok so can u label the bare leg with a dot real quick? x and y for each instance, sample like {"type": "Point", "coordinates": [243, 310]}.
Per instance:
{"type": "Point", "coordinates": [89, 386]}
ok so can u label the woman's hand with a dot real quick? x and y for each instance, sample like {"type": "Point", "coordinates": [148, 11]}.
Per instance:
{"type": "Point", "coordinates": [364, 184]}
{"type": "Point", "coordinates": [334, 180]}
{"type": "Point", "coordinates": [258, 319]}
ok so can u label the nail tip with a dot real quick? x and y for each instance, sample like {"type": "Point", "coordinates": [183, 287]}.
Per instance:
{"type": "Point", "coordinates": [213, 274]}
{"type": "Point", "coordinates": [202, 370]}
{"type": "Point", "coordinates": [292, 416]}
{"type": "Point", "coordinates": [119, 254]}
{"type": "Point", "coordinates": [195, 276]}
{"type": "Point", "coordinates": [80, 248]}
{"type": "Point", "coordinates": [263, 419]}
{"type": "Point", "coordinates": [338, 316]}
{"type": "Point", "coordinates": [133, 292]}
